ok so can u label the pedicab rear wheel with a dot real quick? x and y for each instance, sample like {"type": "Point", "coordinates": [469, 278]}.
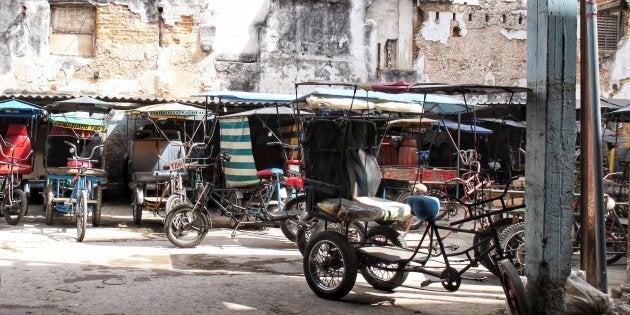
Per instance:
{"type": "Point", "coordinates": [296, 207]}
{"type": "Point", "coordinates": [378, 274]}
{"type": "Point", "coordinates": [81, 213]}
{"type": "Point", "coordinates": [330, 265]}
{"type": "Point", "coordinates": [49, 205]}
{"type": "Point", "coordinates": [15, 212]}
{"type": "Point", "coordinates": [96, 211]}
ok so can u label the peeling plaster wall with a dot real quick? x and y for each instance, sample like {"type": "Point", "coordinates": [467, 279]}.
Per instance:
{"type": "Point", "coordinates": [472, 42]}
{"type": "Point", "coordinates": [615, 68]}
{"type": "Point", "coordinates": [313, 40]}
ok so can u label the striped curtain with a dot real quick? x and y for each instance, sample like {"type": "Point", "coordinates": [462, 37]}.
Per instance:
{"type": "Point", "coordinates": [236, 141]}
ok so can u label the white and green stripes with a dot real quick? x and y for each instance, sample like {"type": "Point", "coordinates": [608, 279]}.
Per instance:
{"type": "Point", "coordinates": [236, 141]}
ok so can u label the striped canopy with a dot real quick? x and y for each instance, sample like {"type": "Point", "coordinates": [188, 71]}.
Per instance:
{"type": "Point", "coordinates": [236, 141]}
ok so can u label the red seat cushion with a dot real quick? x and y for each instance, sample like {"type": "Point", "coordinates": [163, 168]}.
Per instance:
{"type": "Point", "coordinates": [294, 162]}
{"type": "Point", "coordinates": [73, 163]}
{"type": "Point", "coordinates": [295, 182]}
{"type": "Point", "coordinates": [17, 136]}
{"type": "Point", "coordinates": [267, 173]}
{"type": "Point", "coordinates": [407, 154]}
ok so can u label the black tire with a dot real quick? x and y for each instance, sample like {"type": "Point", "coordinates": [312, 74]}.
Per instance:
{"type": "Point", "coordinates": [96, 210]}
{"type": "Point", "coordinates": [356, 231]}
{"type": "Point", "coordinates": [173, 201]}
{"type": "Point", "coordinates": [82, 214]}
{"type": "Point", "coordinates": [615, 239]}
{"type": "Point", "coordinates": [49, 205]}
{"type": "Point", "coordinates": [14, 213]}
{"type": "Point", "coordinates": [185, 227]}
{"type": "Point", "coordinates": [512, 241]}
{"type": "Point", "coordinates": [136, 207]}
{"type": "Point", "coordinates": [487, 260]}
{"type": "Point", "coordinates": [330, 265]}
{"type": "Point", "coordinates": [297, 207]}
{"type": "Point", "coordinates": [513, 288]}
{"type": "Point", "coordinates": [377, 277]}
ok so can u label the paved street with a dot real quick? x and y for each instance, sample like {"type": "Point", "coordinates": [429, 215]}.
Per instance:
{"type": "Point", "coordinates": [121, 268]}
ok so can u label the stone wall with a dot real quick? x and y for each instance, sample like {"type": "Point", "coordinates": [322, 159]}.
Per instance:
{"type": "Point", "coordinates": [172, 49]}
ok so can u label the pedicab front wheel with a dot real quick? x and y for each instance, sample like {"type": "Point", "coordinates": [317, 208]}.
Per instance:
{"type": "Point", "coordinates": [14, 211]}
{"type": "Point", "coordinates": [184, 227]}
{"type": "Point", "coordinates": [330, 265]}
{"type": "Point", "coordinates": [81, 213]}
{"type": "Point", "coordinates": [49, 205]}
{"type": "Point", "coordinates": [513, 288]}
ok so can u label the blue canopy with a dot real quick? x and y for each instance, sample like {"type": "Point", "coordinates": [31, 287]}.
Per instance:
{"type": "Point", "coordinates": [236, 96]}
{"type": "Point", "coordinates": [20, 109]}
{"type": "Point", "coordinates": [464, 128]}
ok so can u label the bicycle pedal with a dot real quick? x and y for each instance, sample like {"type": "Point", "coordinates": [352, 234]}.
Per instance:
{"type": "Point", "coordinates": [453, 247]}
{"type": "Point", "coordinates": [425, 283]}
{"type": "Point", "coordinates": [482, 279]}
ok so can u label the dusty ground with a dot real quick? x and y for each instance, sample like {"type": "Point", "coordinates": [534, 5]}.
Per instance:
{"type": "Point", "coordinates": [122, 268]}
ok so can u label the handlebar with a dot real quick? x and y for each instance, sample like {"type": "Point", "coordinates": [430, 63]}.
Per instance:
{"type": "Point", "coordinates": [489, 200]}
{"type": "Point", "coordinates": [74, 152]}
{"type": "Point", "coordinates": [14, 158]}
{"type": "Point", "coordinates": [6, 144]}
{"type": "Point", "coordinates": [284, 145]}
{"type": "Point", "coordinates": [468, 157]}
{"type": "Point", "coordinates": [612, 175]}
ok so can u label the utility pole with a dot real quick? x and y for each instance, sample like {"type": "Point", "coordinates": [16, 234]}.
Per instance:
{"type": "Point", "coordinates": [551, 74]}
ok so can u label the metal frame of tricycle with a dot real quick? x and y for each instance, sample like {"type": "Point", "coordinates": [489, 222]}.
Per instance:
{"type": "Point", "coordinates": [450, 277]}
{"type": "Point", "coordinates": [79, 175]}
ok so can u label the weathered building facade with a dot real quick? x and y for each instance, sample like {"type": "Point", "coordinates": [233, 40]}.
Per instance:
{"type": "Point", "coordinates": [172, 49]}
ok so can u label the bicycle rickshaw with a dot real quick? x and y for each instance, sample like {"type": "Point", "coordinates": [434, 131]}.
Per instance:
{"type": "Point", "coordinates": [340, 188]}
{"type": "Point", "coordinates": [249, 185]}
{"type": "Point", "coordinates": [159, 155]}
{"type": "Point", "coordinates": [16, 156]}
{"type": "Point", "coordinates": [74, 161]}
{"type": "Point", "coordinates": [401, 127]}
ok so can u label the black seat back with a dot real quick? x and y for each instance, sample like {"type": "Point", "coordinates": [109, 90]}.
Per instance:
{"type": "Point", "coordinates": [341, 153]}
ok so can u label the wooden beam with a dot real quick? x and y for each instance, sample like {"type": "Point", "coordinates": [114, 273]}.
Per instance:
{"type": "Point", "coordinates": [551, 73]}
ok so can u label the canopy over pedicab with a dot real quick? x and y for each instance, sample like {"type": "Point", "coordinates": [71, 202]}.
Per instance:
{"type": "Point", "coordinates": [18, 122]}
{"type": "Point", "coordinates": [164, 139]}
{"type": "Point", "coordinates": [74, 160]}
{"type": "Point", "coordinates": [341, 188]}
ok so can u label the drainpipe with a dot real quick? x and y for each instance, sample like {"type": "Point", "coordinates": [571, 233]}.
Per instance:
{"type": "Point", "coordinates": [593, 258]}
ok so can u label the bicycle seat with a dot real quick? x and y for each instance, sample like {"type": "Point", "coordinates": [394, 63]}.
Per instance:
{"type": "Point", "coordinates": [269, 172]}
{"type": "Point", "coordinates": [424, 207]}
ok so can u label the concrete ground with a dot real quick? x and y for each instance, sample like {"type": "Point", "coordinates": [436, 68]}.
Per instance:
{"type": "Point", "coordinates": [123, 268]}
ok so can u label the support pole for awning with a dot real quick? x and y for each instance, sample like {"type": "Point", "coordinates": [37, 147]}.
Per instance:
{"type": "Point", "coordinates": [593, 247]}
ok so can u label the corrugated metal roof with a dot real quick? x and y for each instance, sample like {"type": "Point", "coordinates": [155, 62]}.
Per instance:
{"type": "Point", "coordinates": [134, 102]}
